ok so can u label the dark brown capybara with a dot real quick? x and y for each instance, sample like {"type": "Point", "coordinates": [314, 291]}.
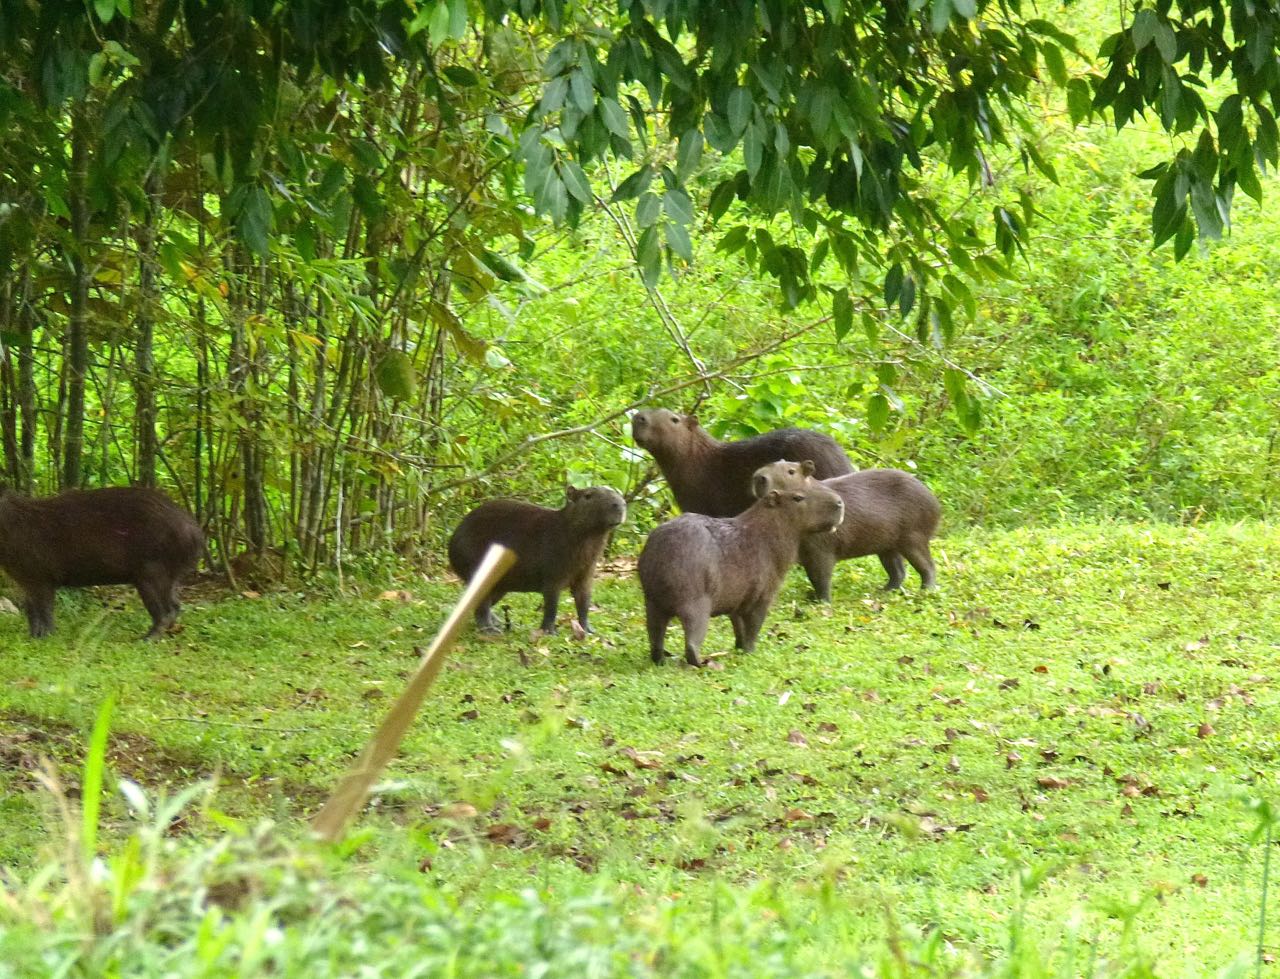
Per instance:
{"type": "Point", "coordinates": [695, 566]}
{"type": "Point", "coordinates": [887, 512]}
{"type": "Point", "coordinates": [555, 549]}
{"type": "Point", "coordinates": [120, 535]}
{"type": "Point", "coordinates": [713, 477]}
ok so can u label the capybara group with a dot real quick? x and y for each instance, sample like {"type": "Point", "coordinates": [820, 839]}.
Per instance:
{"type": "Point", "coordinates": [695, 566]}
{"type": "Point", "coordinates": [114, 536]}
{"type": "Point", "coordinates": [555, 549]}
{"type": "Point", "coordinates": [713, 477]}
{"type": "Point", "coordinates": [887, 512]}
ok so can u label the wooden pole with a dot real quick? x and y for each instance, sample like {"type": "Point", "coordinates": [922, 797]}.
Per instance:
{"type": "Point", "coordinates": [353, 790]}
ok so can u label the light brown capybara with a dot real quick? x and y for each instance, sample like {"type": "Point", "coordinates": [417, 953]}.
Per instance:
{"type": "Point", "coordinates": [695, 566]}
{"type": "Point", "coordinates": [887, 512]}
{"type": "Point", "coordinates": [555, 549]}
{"type": "Point", "coordinates": [713, 477]}
{"type": "Point", "coordinates": [120, 535]}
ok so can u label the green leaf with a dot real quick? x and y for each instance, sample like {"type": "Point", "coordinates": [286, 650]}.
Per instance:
{"type": "Point", "coordinates": [633, 186]}
{"type": "Point", "coordinates": [688, 154]}
{"type": "Point", "coordinates": [739, 109]}
{"type": "Point", "coordinates": [1144, 28]}
{"type": "Point", "coordinates": [1054, 62]}
{"type": "Point", "coordinates": [396, 377]}
{"type": "Point", "coordinates": [1167, 42]}
{"type": "Point", "coordinates": [841, 313]}
{"type": "Point", "coordinates": [255, 221]}
{"type": "Point", "coordinates": [939, 15]}
{"type": "Point", "coordinates": [677, 206]}
{"type": "Point", "coordinates": [457, 19]}
{"type": "Point", "coordinates": [892, 284]}
{"type": "Point", "coordinates": [1247, 179]}
{"type": "Point", "coordinates": [438, 25]}
{"type": "Point", "coordinates": [614, 119]}
{"type": "Point", "coordinates": [677, 236]}
{"type": "Point", "coordinates": [649, 256]}
{"type": "Point", "coordinates": [576, 182]}
{"type": "Point", "coordinates": [877, 412]}
{"type": "Point", "coordinates": [734, 240]}
{"type": "Point", "coordinates": [105, 9]}
{"type": "Point", "coordinates": [968, 9]}
{"type": "Point", "coordinates": [1079, 100]}
{"type": "Point", "coordinates": [647, 209]}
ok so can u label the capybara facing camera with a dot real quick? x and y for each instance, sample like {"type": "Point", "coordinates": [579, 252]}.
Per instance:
{"type": "Point", "coordinates": [713, 477]}
{"type": "Point", "coordinates": [555, 549]}
{"type": "Point", "coordinates": [887, 512]}
{"type": "Point", "coordinates": [695, 566]}
{"type": "Point", "coordinates": [121, 535]}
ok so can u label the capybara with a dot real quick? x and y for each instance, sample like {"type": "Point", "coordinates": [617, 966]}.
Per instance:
{"type": "Point", "coordinates": [555, 549]}
{"type": "Point", "coordinates": [120, 535]}
{"type": "Point", "coordinates": [713, 477]}
{"type": "Point", "coordinates": [695, 566]}
{"type": "Point", "coordinates": [887, 512]}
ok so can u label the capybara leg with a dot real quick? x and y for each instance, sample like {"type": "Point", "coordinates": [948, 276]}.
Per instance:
{"type": "Point", "coordinates": [582, 602]}
{"type": "Point", "coordinates": [550, 604]}
{"type": "Point", "coordinates": [485, 622]}
{"type": "Point", "coordinates": [39, 609]}
{"type": "Point", "coordinates": [752, 621]}
{"type": "Point", "coordinates": [917, 552]}
{"type": "Point", "coordinates": [656, 621]}
{"type": "Point", "coordinates": [895, 568]}
{"type": "Point", "coordinates": [818, 564]}
{"type": "Point", "coordinates": [695, 619]}
{"type": "Point", "coordinates": [156, 598]}
{"type": "Point", "coordinates": [739, 631]}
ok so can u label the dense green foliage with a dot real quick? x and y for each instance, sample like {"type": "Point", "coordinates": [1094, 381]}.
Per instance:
{"type": "Point", "coordinates": [287, 260]}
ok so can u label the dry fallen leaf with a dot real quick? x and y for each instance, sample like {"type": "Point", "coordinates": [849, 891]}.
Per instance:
{"type": "Point", "coordinates": [1205, 730]}
{"type": "Point", "coordinates": [796, 738]}
{"type": "Point", "coordinates": [396, 595]}
{"type": "Point", "coordinates": [503, 834]}
{"type": "Point", "coordinates": [796, 815]}
{"type": "Point", "coordinates": [1200, 880]}
{"type": "Point", "coordinates": [1052, 782]}
{"type": "Point", "coordinates": [458, 810]}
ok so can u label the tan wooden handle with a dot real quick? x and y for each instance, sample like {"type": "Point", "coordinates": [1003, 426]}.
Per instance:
{"type": "Point", "coordinates": [352, 791]}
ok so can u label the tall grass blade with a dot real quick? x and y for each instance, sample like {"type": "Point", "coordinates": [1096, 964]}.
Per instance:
{"type": "Point", "coordinates": [95, 764]}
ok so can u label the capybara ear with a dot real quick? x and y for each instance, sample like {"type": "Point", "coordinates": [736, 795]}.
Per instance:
{"type": "Point", "coordinates": [759, 485]}
{"type": "Point", "coordinates": [773, 499]}
{"type": "Point", "coordinates": [691, 421]}
{"type": "Point", "coordinates": [807, 467]}
{"type": "Point", "coordinates": [570, 493]}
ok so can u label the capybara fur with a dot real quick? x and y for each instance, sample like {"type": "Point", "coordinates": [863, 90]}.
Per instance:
{"type": "Point", "coordinates": [887, 512]}
{"type": "Point", "coordinates": [121, 535]}
{"type": "Point", "coordinates": [713, 477]}
{"type": "Point", "coordinates": [555, 549]}
{"type": "Point", "coordinates": [695, 566]}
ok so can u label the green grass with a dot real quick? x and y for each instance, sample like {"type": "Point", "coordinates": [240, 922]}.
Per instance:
{"type": "Point", "coordinates": [1089, 702]}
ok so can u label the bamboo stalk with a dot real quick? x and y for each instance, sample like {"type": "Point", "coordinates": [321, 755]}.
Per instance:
{"type": "Point", "coordinates": [352, 791]}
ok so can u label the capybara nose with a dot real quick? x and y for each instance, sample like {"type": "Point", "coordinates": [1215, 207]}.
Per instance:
{"type": "Point", "coordinates": [837, 514]}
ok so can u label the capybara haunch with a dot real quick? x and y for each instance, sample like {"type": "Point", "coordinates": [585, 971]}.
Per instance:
{"type": "Point", "coordinates": [121, 535]}
{"type": "Point", "coordinates": [695, 566]}
{"type": "Point", "coordinates": [555, 549]}
{"type": "Point", "coordinates": [713, 477]}
{"type": "Point", "coordinates": [887, 512]}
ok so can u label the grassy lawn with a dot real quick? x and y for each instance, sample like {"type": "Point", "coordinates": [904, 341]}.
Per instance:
{"type": "Point", "coordinates": [1089, 703]}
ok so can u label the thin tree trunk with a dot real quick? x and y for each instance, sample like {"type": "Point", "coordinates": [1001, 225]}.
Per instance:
{"type": "Point", "coordinates": [77, 330]}
{"type": "Point", "coordinates": [144, 384]}
{"type": "Point", "coordinates": [26, 387]}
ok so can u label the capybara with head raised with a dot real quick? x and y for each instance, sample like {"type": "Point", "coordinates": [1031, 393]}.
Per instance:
{"type": "Point", "coordinates": [121, 535]}
{"type": "Point", "coordinates": [555, 549]}
{"type": "Point", "coordinates": [713, 477]}
{"type": "Point", "coordinates": [695, 566]}
{"type": "Point", "coordinates": [887, 512]}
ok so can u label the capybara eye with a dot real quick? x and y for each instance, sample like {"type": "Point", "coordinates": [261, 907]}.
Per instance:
{"type": "Point", "coordinates": [798, 497]}
{"type": "Point", "coordinates": [675, 420]}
